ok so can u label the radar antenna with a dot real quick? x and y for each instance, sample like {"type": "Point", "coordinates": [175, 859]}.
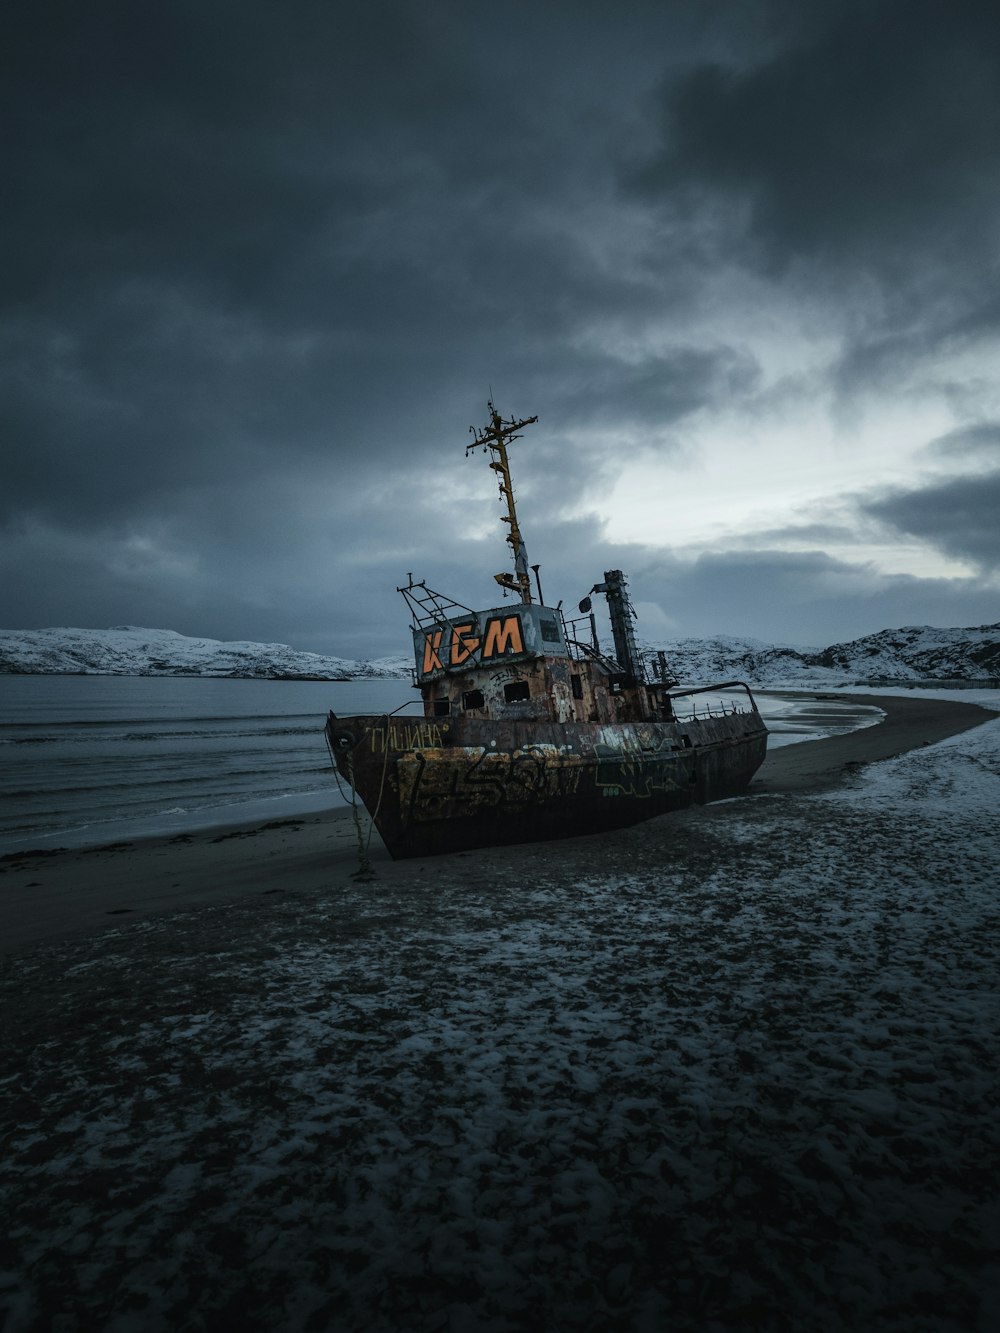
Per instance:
{"type": "Point", "coordinates": [495, 437]}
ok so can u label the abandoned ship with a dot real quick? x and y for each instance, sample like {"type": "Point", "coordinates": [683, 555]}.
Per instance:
{"type": "Point", "coordinates": [530, 732]}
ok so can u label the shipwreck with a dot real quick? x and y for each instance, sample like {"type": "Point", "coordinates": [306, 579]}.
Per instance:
{"type": "Point", "coordinates": [530, 731]}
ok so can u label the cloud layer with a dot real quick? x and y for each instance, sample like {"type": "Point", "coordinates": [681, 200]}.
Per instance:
{"type": "Point", "coordinates": [262, 267]}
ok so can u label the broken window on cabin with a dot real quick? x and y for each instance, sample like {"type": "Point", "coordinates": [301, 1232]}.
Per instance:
{"type": "Point", "coordinates": [577, 686]}
{"type": "Point", "coordinates": [473, 699]}
{"type": "Point", "coordinates": [442, 707]}
{"type": "Point", "coordinates": [516, 690]}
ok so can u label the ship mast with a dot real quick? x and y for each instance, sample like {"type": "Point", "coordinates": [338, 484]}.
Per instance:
{"type": "Point", "coordinates": [496, 437]}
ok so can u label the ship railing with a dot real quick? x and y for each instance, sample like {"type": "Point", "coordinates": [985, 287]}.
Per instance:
{"type": "Point", "coordinates": [578, 650]}
{"type": "Point", "coordinates": [586, 650]}
{"type": "Point", "coordinates": [714, 689]}
{"type": "Point", "coordinates": [428, 607]}
{"type": "Point", "coordinates": [409, 708]}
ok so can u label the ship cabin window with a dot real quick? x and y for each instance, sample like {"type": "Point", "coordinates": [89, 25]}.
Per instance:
{"type": "Point", "coordinates": [516, 690]}
{"type": "Point", "coordinates": [442, 707]}
{"type": "Point", "coordinates": [473, 699]}
{"type": "Point", "coordinates": [550, 631]}
{"type": "Point", "coordinates": [577, 686]}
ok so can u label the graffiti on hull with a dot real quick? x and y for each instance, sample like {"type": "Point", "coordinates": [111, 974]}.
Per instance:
{"type": "Point", "coordinates": [454, 782]}
{"type": "Point", "coordinates": [415, 735]}
{"type": "Point", "coordinates": [621, 775]}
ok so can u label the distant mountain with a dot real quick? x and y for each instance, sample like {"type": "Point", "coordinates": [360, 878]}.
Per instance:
{"type": "Point", "coordinates": [129, 650]}
{"type": "Point", "coordinates": [913, 653]}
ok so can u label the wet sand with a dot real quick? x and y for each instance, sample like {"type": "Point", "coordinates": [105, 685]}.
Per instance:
{"type": "Point", "coordinates": [728, 1069]}
{"type": "Point", "coordinates": [908, 724]}
{"type": "Point", "coordinates": [47, 895]}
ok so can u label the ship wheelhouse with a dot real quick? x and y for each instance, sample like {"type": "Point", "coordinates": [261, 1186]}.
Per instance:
{"type": "Point", "coordinates": [520, 662]}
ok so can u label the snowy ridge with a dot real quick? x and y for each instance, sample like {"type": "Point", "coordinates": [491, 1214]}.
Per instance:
{"type": "Point", "coordinates": [909, 654]}
{"type": "Point", "coordinates": [130, 650]}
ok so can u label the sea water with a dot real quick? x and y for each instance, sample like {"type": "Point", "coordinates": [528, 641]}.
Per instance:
{"type": "Point", "coordinates": [88, 759]}
{"type": "Point", "coordinates": [93, 759]}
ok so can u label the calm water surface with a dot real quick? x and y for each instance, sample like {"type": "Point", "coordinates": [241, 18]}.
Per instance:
{"type": "Point", "coordinates": [88, 758]}
{"type": "Point", "coordinates": [92, 759]}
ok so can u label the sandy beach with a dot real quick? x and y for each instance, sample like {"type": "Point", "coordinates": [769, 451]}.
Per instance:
{"type": "Point", "coordinates": [51, 893]}
{"type": "Point", "coordinates": [729, 1069]}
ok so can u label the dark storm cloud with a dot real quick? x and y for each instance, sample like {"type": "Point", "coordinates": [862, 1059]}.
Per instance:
{"type": "Point", "coordinates": [959, 516]}
{"type": "Point", "coordinates": [803, 599]}
{"type": "Point", "coordinates": [656, 390]}
{"type": "Point", "coordinates": [857, 155]}
{"type": "Point", "coordinates": [271, 155]}
{"type": "Point", "coordinates": [870, 139]}
{"type": "Point", "coordinates": [837, 534]}
{"type": "Point", "coordinates": [241, 233]}
{"type": "Point", "coordinates": [207, 141]}
{"type": "Point", "coordinates": [979, 441]}
{"type": "Point", "coordinates": [260, 265]}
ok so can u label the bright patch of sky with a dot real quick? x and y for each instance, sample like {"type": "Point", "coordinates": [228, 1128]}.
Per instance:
{"type": "Point", "coordinates": [741, 475]}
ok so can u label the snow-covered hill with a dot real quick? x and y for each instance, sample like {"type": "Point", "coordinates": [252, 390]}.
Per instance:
{"type": "Point", "coordinates": [913, 653]}
{"type": "Point", "coordinates": [129, 650]}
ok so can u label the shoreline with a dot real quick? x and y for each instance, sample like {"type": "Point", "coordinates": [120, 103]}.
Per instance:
{"type": "Point", "coordinates": [50, 894]}
{"type": "Point", "coordinates": [908, 724]}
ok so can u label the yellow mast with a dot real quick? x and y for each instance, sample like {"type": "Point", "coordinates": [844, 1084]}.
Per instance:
{"type": "Point", "coordinates": [495, 437]}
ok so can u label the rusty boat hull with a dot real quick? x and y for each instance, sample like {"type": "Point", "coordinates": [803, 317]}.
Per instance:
{"type": "Point", "coordinates": [436, 786]}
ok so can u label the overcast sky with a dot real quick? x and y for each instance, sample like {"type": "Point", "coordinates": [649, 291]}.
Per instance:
{"type": "Point", "coordinates": [264, 262]}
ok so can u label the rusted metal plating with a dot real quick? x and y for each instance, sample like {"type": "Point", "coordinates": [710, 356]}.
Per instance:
{"type": "Point", "coordinates": [451, 785]}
